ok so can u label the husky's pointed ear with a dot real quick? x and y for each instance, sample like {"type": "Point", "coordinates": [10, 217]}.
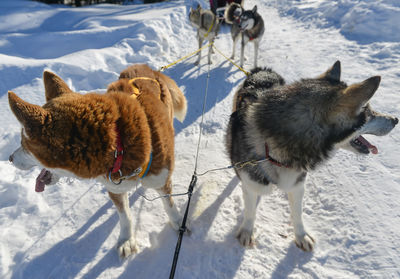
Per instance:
{"type": "Point", "coordinates": [254, 10]}
{"type": "Point", "coordinates": [357, 95]}
{"type": "Point", "coordinates": [29, 115]}
{"type": "Point", "coordinates": [54, 86]}
{"type": "Point", "coordinates": [333, 73]}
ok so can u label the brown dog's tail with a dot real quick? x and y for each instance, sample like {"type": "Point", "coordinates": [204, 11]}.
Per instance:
{"type": "Point", "coordinates": [234, 10]}
{"type": "Point", "coordinates": [178, 99]}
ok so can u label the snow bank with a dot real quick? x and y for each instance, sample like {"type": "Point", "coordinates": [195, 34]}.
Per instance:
{"type": "Point", "coordinates": [364, 21]}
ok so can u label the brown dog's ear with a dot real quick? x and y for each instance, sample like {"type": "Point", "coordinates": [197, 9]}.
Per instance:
{"type": "Point", "coordinates": [31, 116]}
{"type": "Point", "coordinates": [358, 94]}
{"type": "Point", "coordinates": [54, 86]}
{"type": "Point", "coordinates": [333, 73]}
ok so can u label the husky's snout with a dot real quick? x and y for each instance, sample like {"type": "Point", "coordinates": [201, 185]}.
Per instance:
{"type": "Point", "coordinates": [381, 124]}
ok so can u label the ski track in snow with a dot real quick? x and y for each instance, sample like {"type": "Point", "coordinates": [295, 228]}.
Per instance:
{"type": "Point", "coordinates": [71, 229]}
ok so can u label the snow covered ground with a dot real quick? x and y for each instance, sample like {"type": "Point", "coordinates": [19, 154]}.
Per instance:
{"type": "Point", "coordinates": [70, 230]}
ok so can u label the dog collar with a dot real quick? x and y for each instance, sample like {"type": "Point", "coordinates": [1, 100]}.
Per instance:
{"type": "Point", "coordinates": [272, 160]}
{"type": "Point", "coordinates": [140, 172]}
{"type": "Point", "coordinates": [118, 154]}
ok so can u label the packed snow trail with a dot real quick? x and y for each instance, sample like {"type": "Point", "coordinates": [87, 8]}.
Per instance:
{"type": "Point", "coordinates": [71, 229]}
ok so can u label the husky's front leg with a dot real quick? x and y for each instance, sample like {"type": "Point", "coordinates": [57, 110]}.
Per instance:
{"type": "Point", "coordinates": [200, 40]}
{"type": "Point", "coordinates": [234, 39]}
{"type": "Point", "coordinates": [242, 51]}
{"type": "Point", "coordinates": [245, 233]}
{"type": "Point", "coordinates": [169, 206]}
{"type": "Point", "coordinates": [126, 240]}
{"type": "Point", "coordinates": [210, 51]}
{"type": "Point", "coordinates": [244, 42]}
{"type": "Point", "coordinates": [302, 239]}
{"type": "Point", "coordinates": [256, 45]}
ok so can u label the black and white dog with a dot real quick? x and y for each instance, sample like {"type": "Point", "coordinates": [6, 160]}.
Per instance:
{"type": "Point", "coordinates": [247, 25]}
{"type": "Point", "coordinates": [292, 129]}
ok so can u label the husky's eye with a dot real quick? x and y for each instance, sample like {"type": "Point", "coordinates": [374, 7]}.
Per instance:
{"type": "Point", "coordinates": [366, 109]}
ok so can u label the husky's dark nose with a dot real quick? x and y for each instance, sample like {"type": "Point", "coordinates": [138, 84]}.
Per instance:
{"type": "Point", "coordinates": [395, 121]}
{"type": "Point", "coordinates": [11, 158]}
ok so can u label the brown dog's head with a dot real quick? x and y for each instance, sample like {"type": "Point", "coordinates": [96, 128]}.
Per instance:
{"type": "Point", "coordinates": [70, 134]}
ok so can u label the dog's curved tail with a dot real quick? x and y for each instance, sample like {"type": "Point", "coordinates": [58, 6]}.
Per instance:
{"type": "Point", "coordinates": [232, 13]}
{"type": "Point", "coordinates": [179, 102]}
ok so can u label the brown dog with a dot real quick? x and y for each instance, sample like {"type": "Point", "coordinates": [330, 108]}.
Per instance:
{"type": "Point", "coordinates": [118, 138]}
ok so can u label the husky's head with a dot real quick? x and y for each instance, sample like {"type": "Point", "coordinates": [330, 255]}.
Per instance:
{"type": "Point", "coordinates": [194, 16]}
{"type": "Point", "coordinates": [247, 19]}
{"type": "Point", "coordinates": [352, 110]}
{"type": "Point", "coordinates": [304, 121]}
{"type": "Point", "coordinates": [67, 135]}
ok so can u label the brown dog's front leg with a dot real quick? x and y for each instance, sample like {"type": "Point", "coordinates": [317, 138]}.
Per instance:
{"type": "Point", "coordinates": [126, 241]}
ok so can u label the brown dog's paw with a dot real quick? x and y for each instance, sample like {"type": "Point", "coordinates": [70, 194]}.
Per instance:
{"type": "Point", "coordinates": [127, 248]}
{"type": "Point", "coordinates": [246, 238]}
{"type": "Point", "coordinates": [305, 242]}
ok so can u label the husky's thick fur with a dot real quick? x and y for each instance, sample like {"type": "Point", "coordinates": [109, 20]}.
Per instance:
{"type": "Point", "coordinates": [78, 135]}
{"type": "Point", "coordinates": [207, 25]}
{"type": "Point", "coordinates": [295, 128]}
{"type": "Point", "coordinates": [247, 25]}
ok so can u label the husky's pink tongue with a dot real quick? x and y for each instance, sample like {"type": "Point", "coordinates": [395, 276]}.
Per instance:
{"type": "Point", "coordinates": [371, 147]}
{"type": "Point", "coordinates": [43, 179]}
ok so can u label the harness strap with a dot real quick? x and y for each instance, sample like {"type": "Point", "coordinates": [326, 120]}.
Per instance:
{"type": "Point", "coordinates": [209, 29]}
{"type": "Point", "coordinates": [146, 167]}
{"type": "Point", "coordinates": [136, 91]}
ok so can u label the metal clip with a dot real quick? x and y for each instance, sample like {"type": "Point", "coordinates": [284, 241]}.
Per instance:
{"type": "Point", "coordinates": [120, 179]}
{"type": "Point", "coordinates": [136, 172]}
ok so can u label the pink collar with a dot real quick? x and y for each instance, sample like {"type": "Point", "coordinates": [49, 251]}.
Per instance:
{"type": "Point", "coordinates": [272, 160]}
{"type": "Point", "coordinates": [119, 153]}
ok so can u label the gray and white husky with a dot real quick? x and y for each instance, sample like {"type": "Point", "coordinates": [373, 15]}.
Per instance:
{"type": "Point", "coordinates": [294, 128]}
{"type": "Point", "coordinates": [247, 25]}
{"type": "Point", "coordinates": [207, 25]}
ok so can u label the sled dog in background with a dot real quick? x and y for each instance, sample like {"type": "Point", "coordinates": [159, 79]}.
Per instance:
{"type": "Point", "coordinates": [248, 26]}
{"type": "Point", "coordinates": [295, 128]}
{"type": "Point", "coordinates": [207, 25]}
{"type": "Point", "coordinates": [218, 6]}
{"type": "Point", "coordinates": [118, 138]}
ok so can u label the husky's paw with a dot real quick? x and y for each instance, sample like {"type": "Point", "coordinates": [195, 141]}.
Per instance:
{"type": "Point", "coordinates": [127, 248]}
{"type": "Point", "coordinates": [245, 238]}
{"type": "Point", "coordinates": [305, 242]}
{"type": "Point", "coordinates": [196, 63]}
